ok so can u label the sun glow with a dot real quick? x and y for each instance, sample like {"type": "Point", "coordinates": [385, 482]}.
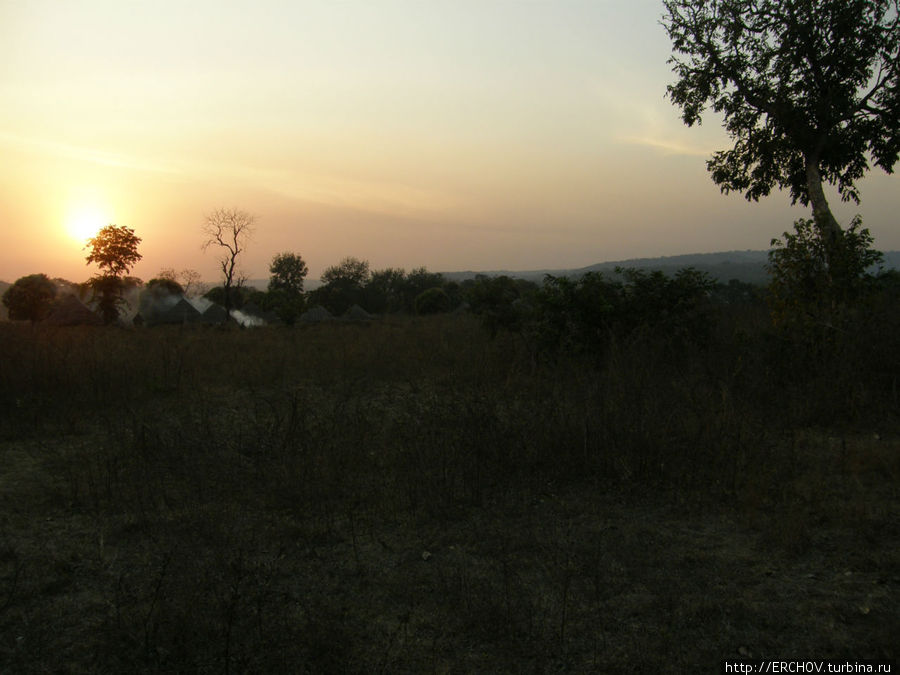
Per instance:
{"type": "Point", "coordinates": [84, 222]}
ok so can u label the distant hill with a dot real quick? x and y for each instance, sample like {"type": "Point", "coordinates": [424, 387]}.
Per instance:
{"type": "Point", "coordinates": [748, 266]}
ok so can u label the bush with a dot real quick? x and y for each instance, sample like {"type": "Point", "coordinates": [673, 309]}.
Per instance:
{"type": "Point", "coordinates": [501, 302]}
{"type": "Point", "coordinates": [432, 301]}
{"type": "Point", "coordinates": [584, 313]}
{"type": "Point", "coordinates": [814, 285]}
{"type": "Point", "coordinates": [30, 298]}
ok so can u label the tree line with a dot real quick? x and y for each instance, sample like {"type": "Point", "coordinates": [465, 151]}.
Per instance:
{"type": "Point", "coordinates": [810, 94]}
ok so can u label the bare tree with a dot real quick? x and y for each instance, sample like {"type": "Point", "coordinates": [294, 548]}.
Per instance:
{"type": "Point", "coordinates": [192, 283]}
{"type": "Point", "coordinates": [230, 230]}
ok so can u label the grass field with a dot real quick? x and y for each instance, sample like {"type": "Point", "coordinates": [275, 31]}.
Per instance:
{"type": "Point", "coordinates": [412, 496]}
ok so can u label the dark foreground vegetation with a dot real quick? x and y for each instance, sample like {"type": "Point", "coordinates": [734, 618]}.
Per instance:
{"type": "Point", "coordinates": [415, 495]}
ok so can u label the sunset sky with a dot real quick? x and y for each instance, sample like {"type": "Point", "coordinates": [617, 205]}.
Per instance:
{"type": "Point", "coordinates": [458, 135]}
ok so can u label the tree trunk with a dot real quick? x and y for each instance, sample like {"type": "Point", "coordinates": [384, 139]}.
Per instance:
{"type": "Point", "coordinates": [227, 287]}
{"type": "Point", "coordinates": [822, 215]}
{"type": "Point", "coordinates": [826, 223]}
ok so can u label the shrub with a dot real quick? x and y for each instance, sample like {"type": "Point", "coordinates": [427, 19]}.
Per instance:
{"type": "Point", "coordinates": [432, 301]}
{"type": "Point", "coordinates": [501, 302]}
{"type": "Point", "coordinates": [582, 314]}
{"type": "Point", "coordinates": [812, 284]}
{"type": "Point", "coordinates": [30, 298]}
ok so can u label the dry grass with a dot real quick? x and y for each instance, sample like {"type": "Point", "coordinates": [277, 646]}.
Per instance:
{"type": "Point", "coordinates": [412, 496]}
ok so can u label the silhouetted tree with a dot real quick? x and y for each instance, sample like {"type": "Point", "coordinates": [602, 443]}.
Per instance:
{"type": "Point", "coordinates": [114, 250]}
{"type": "Point", "coordinates": [288, 271]}
{"type": "Point", "coordinates": [801, 289]}
{"type": "Point", "coordinates": [285, 295]}
{"type": "Point", "coordinates": [810, 90]}
{"type": "Point", "coordinates": [499, 301]}
{"type": "Point", "coordinates": [188, 279]}
{"type": "Point", "coordinates": [418, 281]}
{"type": "Point", "coordinates": [235, 299]}
{"type": "Point", "coordinates": [192, 282]}
{"type": "Point", "coordinates": [164, 285]}
{"type": "Point", "coordinates": [30, 298]}
{"type": "Point", "coordinates": [432, 301]}
{"type": "Point", "coordinates": [342, 285]}
{"type": "Point", "coordinates": [350, 271]}
{"type": "Point", "coordinates": [385, 291]}
{"type": "Point", "coordinates": [230, 230]}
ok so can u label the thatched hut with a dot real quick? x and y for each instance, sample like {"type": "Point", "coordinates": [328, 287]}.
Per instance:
{"type": "Point", "coordinates": [214, 314]}
{"type": "Point", "coordinates": [180, 313]}
{"type": "Point", "coordinates": [315, 315]}
{"type": "Point", "coordinates": [70, 311]}
{"type": "Point", "coordinates": [357, 313]}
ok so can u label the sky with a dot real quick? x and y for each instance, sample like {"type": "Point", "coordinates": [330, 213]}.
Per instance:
{"type": "Point", "coordinates": [451, 134]}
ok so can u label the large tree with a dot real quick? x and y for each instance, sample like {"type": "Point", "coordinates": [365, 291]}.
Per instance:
{"type": "Point", "coordinates": [342, 285]}
{"type": "Point", "coordinates": [230, 230]}
{"type": "Point", "coordinates": [350, 271]}
{"type": "Point", "coordinates": [288, 271]}
{"type": "Point", "coordinates": [809, 90]}
{"type": "Point", "coordinates": [30, 298]}
{"type": "Point", "coordinates": [114, 250]}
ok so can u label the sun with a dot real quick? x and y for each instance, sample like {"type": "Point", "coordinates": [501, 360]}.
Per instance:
{"type": "Point", "coordinates": [83, 222]}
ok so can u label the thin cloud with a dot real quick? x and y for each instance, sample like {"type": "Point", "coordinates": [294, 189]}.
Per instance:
{"type": "Point", "coordinates": [379, 196]}
{"type": "Point", "coordinates": [668, 147]}
{"type": "Point", "coordinates": [83, 153]}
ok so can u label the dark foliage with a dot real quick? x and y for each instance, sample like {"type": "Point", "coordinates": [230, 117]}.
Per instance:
{"type": "Point", "coordinates": [798, 82]}
{"type": "Point", "coordinates": [584, 314]}
{"type": "Point", "coordinates": [285, 296]}
{"type": "Point", "coordinates": [805, 289]}
{"type": "Point", "coordinates": [433, 301]}
{"type": "Point", "coordinates": [30, 298]}
{"type": "Point", "coordinates": [288, 271]}
{"type": "Point", "coordinates": [385, 292]}
{"type": "Point", "coordinates": [501, 302]}
{"type": "Point", "coordinates": [115, 252]}
{"type": "Point", "coordinates": [163, 286]}
{"type": "Point", "coordinates": [343, 285]}
{"type": "Point", "coordinates": [235, 297]}
{"type": "Point", "coordinates": [809, 90]}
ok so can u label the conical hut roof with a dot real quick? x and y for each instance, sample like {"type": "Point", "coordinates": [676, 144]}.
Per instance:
{"type": "Point", "coordinates": [181, 312]}
{"type": "Point", "coordinates": [214, 314]}
{"type": "Point", "coordinates": [357, 313]}
{"type": "Point", "coordinates": [315, 314]}
{"type": "Point", "coordinates": [70, 311]}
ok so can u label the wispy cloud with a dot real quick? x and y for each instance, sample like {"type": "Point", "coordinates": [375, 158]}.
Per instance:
{"type": "Point", "coordinates": [373, 195]}
{"type": "Point", "coordinates": [668, 147]}
{"type": "Point", "coordinates": [389, 197]}
{"type": "Point", "coordinates": [84, 153]}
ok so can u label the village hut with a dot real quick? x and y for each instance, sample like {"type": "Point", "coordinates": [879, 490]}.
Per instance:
{"type": "Point", "coordinates": [70, 311]}
{"type": "Point", "coordinates": [180, 313]}
{"type": "Point", "coordinates": [315, 315]}
{"type": "Point", "coordinates": [214, 314]}
{"type": "Point", "coordinates": [357, 313]}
